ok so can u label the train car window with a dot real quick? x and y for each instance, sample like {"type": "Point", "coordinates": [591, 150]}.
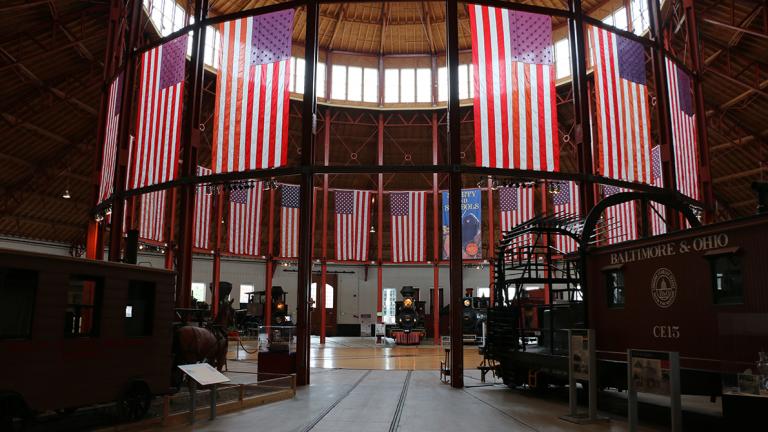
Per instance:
{"type": "Point", "coordinates": [17, 302]}
{"type": "Point", "coordinates": [140, 308]}
{"type": "Point", "coordinates": [726, 276]}
{"type": "Point", "coordinates": [614, 283]}
{"type": "Point", "coordinates": [83, 313]}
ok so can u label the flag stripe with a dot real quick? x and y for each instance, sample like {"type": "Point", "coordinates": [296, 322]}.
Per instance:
{"type": "Point", "coordinates": [203, 205]}
{"type": "Point", "coordinates": [516, 205]}
{"type": "Point", "coordinates": [571, 207]}
{"type": "Point", "coordinates": [244, 228]}
{"type": "Point", "coordinates": [621, 219]}
{"type": "Point", "coordinates": [515, 108]}
{"type": "Point", "coordinates": [683, 134]}
{"type": "Point", "coordinates": [109, 154]}
{"type": "Point", "coordinates": [152, 220]}
{"type": "Point", "coordinates": [351, 227]}
{"type": "Point", "coordinates": [408, 226]}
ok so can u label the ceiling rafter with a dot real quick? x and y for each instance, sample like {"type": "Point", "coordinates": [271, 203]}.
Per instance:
{"type": "Point", "coordinates": [426, 21]}
{"type": "Point", "coordinates": [15, 121]}
{"type": "Point", "coordinates": [339, 19]}
{"type": "Point", "coordinates": [736, 38]}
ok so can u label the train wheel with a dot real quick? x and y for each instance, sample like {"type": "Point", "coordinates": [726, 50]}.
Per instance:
{"type": "Point", "coordinates": [134, 403]}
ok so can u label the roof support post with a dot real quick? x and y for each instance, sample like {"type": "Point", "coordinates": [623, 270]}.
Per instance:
{"type": "Point", "coordinates": [190, 145]}
{"type": "Point", "coordinates": [309, 117]}
{"type": "Point", "coordinates": [454, 190]}
{"type": "Point", "coordinates": [705, 173]}
{"type": "Point", "coordinates": [380, 217]}
{"type": "Point", "coordinates": [435, 309]}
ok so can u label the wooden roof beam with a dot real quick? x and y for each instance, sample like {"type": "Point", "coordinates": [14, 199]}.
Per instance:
{"type": "Point", "coordinates": [736, 38]}
{"type": "Point", "coordinates": [740, 175]}
{"type": "Point", "coordinates": [339, 19]}
{"type": "Point", "coordinates": [426, 21]}
{"type": "Point", "coordinates": [18, 7]}
{"type": "Point", "coordinates": [43, 221]}
{"type": "Point", "coordinates": [15, 121]}
{"type": "Point", "coordinates": [384, 23]}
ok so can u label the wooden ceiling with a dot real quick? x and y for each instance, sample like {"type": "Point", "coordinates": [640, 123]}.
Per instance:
{"type": "Point", "coordinates": [52, 53]}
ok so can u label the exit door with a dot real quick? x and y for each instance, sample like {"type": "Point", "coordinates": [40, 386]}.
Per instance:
{"type": "Point", "coordinates": [331, 302]}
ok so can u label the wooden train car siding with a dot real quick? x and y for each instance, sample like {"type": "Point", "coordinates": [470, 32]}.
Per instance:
{"type": "Point", "coordinates": [683, 316]}
{"type": "Point", "coordinates": [52, 370]}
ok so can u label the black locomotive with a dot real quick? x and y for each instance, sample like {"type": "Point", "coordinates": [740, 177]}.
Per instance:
{"type": "Point", "coordinates": [251, 314]}
{"type": "Point", "coordinates": [473, 317]}
{"type": "Point", "coordinates": [409, 318]}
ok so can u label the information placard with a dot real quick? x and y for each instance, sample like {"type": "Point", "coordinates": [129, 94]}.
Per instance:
{"type": "Point", "coordinates": [203, 373]}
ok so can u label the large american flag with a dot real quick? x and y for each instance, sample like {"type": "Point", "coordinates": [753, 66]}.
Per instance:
{"type": "Point", "coordinates": [353, 214]}
{"type": "Point", "coordinates": [108, 157]}
{"type": "Point", "coordinates": [245, 220]}
{"type": "Point", "coordinates": [203, 205]}
{"type": "Point", "coordinates": [621, 219]}
{"type": "Point", "coordinates": [658, 211]}
{"type": "Point", "coordinates": [250, 128]}
{"type": "Point", "coordinates": [516, 207]}
{"type": "Point", "coordinates": [408, 212]}
{"type": "Point", "coordinates": [623, 119]}
{"type": "Point", "coordinates": [161, 98]}
{"type": "Point", "coordinates": [152, 221]}
{"type": "Point", "coordinates": [566, 200]}
{"type": "Point", "coordinates": [683, 130]}
{"type": "Point", "coordinates": [289, 220]}
{"type": "Point", "coordinates": [514, 78]}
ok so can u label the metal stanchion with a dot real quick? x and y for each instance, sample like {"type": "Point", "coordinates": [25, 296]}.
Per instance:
{"type": "Point", "coordinates": [192, 399]}
{"type": "Point", "coordinates": [214, 396]}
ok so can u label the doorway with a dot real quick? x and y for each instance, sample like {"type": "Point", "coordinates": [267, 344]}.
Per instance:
{"type": "Point", "coordinates": [331, 302]}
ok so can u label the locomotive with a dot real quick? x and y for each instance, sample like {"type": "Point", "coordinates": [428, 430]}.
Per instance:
{"type": "Point", "coordinates": [473, 316]}
{"type": "Point", "coordinates": [409, 318]}
{"type": "Point", "coordinates": [251, 314]}
{"type": "Point", "coordinates": [644, 295]}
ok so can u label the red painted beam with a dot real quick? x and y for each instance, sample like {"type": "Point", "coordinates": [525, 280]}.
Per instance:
{"type": "Point", "coordinates": [380, 224]}
{"type": "Point", "coordinates": [269, 264]}
{"type": "Point", "coordinates": [435, 235]}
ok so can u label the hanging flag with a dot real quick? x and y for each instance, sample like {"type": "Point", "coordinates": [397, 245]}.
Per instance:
{"type": "Point", "coordinates": [158, 130]}
{"type": "Point", "coordinates": [515, 207]}
{"type": "Point", "coordinates": [514, 78]}
{"type": "Point", "coordinates": [109, 153]}
{"type": "Point", "coordinates": [245, 220]}
{"type": "Point", "coordinates": [684, 141]}
{"type": "Point", "coordinates": [471, 224]}
{"type": "Point", "coordinates": [250, 125]}
{"type": "Point", "coordinates": [352, 209]}
{"type": "Point", "coordinates": [566, 201]}
{"type": "Point", "coordinates": [203, 205]}
{"type": "Point", "coordinates": [152, 216]}
{"type": "Point", "coordinates": [623, 118]}
{"type": "Point", "coordinates": [621, 219]}
{"type": "Point", "coordinates": [658, 211]}
{"type": "Point", "coordinates": [408, 211]}
{"type": "Point", "coordinates": [289, 220]}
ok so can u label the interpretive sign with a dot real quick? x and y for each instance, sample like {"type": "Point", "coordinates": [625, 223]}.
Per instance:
{"type": "Point", "coordinates": [203, 373]}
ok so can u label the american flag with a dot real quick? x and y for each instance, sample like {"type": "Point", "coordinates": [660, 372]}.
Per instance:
{"type": "Point", "coordinates": [516, 207]}
{"type": "Point", "coordinates": [623, 119]}
{"type": "Point", "coordinates": [408, 212]}
{"type": "Point", "coordinates": [353, 214]}
{"type": "Point", "coordinates": [514, 79]}
{"type": "Point", "coordinates": [621, 219]}
{"type": "Point", "coordinates": [566, 200]}
{"type": "Point", "coordinates": [110, 138]}
{"type": "Point", "coordinates": [658, 211]}
{"type": "Point", "coordinates": [245, 220]}
{"type": "Point", "coordinates": [289, 220]}
{"type": "Point", "coordinates": [161, 97]}
{"type": "Point", "coordinates": [683, 130]}
{"type": "Point", "coordinates": [203, 204]}
{"type": "Point", "coordinates": [250, 129]}
{"type": "Point", "coordinates": [152, 216]}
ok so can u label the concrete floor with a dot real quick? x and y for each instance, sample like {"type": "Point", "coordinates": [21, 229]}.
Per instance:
{"type": "Point", "coordinates": [341, 400]}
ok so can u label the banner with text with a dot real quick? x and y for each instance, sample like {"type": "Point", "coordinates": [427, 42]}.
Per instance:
{"type": "Point", "coordinates": [471, 224]}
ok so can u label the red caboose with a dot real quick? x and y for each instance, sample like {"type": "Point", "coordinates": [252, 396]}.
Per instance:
{"type": "Point", "coordinates": [76, 332]}
{"type": "Point", "coordinates": [702, 292]}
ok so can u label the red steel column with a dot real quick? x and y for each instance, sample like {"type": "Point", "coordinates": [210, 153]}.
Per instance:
{"type": "Point", "coordinates": [270, 262]}
{"type": "Point", "coordinates": [705, 174]}
{"type": "Point", "coordinates": [435, 235]}
{"type": "Point", "coordinates": [218, 223]}
{"type": "Point", "coordinates": [380, 224]}
{"type": "Point", "coordinates": [454, 189]}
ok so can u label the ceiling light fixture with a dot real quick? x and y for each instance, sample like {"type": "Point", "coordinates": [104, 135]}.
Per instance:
{"type": "Point", "coordinates": [66, 194]}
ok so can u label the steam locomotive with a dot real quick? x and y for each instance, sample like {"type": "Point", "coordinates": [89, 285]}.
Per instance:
{"type": "Point", "coordinates": [251, 314]}
{"type": "Point", "coordinates": [473, 317]}
{"type": "Point", "coordinates": [409, 318]}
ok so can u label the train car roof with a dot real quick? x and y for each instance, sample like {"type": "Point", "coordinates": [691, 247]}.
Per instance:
{"type": "Point", "coordinates": [86, 261]}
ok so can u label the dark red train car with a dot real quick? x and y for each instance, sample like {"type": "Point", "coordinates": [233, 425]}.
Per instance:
{"type": "Point", "coordinates": [702, 292]}
{"type": "Point", "coordinates": [76, 332]}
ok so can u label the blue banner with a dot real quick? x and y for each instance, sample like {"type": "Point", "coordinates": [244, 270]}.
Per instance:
{"type": "Point", "coordinates": [471, 224]}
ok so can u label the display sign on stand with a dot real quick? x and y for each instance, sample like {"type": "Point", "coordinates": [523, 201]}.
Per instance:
{"type": "Point", "coordinates": [656, 372]}
{"type": "Point", "coordinates": [582, 366]}
{"type": "Point", "coordinates": [202, 374]}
